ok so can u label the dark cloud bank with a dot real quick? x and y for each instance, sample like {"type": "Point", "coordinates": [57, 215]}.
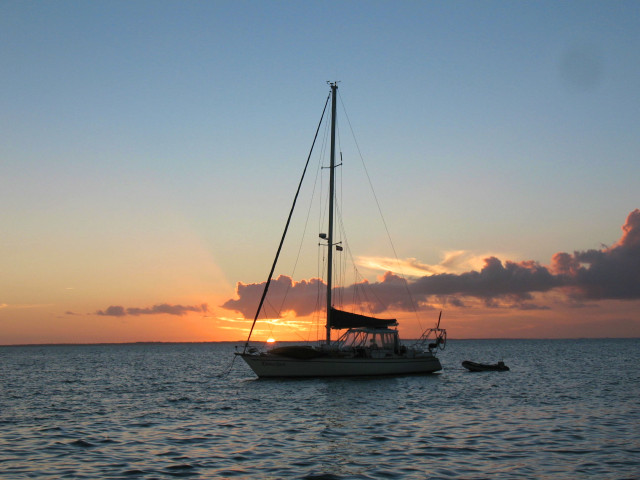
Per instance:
{"type": "Point", "coordinates": [609, 273]}
{"type": "Point", "coordinates": [119, 311]}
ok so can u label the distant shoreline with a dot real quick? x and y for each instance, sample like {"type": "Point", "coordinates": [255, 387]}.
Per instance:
{"type": "Point", "coordinates": [97, 344]}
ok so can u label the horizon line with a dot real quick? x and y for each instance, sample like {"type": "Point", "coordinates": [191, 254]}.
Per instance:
{"type": "Point", "coordinates": [154, 342]}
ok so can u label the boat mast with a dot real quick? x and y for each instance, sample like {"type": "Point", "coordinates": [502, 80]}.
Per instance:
{"type": "Point", "coordinates": [334, 91]}
{"type": "Point", "coordinates": [286, 228]}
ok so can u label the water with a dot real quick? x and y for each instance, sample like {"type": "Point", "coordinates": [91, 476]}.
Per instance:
{"type": "Point", "coordinates": [567, 409]}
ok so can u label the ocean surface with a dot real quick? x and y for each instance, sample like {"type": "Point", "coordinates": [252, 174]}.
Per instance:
{"type": "Point", "coordinates": [568, 409]}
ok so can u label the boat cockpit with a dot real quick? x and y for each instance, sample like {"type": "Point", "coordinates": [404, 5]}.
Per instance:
{"type": "Point", "coordinates": [362, 341]}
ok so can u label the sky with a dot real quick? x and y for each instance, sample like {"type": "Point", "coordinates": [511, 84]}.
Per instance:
{"type": "Point", "coordinates": [150, 151]}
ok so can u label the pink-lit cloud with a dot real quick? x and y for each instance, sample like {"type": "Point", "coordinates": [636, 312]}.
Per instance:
{"type": "Point", "coordinates": [611, 273]}
{"type": "Point", "coordinates": [164, 308]}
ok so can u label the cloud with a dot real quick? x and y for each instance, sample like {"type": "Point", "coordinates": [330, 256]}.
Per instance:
{"type": "Point", "coordinates": [516, 281]}
{"type": "Point", "coordinates": [284, 295]}
{"type": "Point", "coordinates": [113, 311]}
{"type": "Point", "coordinates": [456, 261]}
{"type": "Point", "coordinates": [119, 311]}
{"type": "Point", "coordinates": [609, 273]}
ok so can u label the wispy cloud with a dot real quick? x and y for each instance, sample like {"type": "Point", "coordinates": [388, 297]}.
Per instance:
{"type": "Point", "coordinates": [609, 273]}
{"type": "Point", "coordinates": [456, 261]}
{"type": "Point", "coordinates": [24, 306]}
{"type": "Point", "coordinates": [164, 308]}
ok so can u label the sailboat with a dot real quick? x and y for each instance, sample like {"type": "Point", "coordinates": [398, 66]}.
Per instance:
{"type": "Point", "coordinates": [369, 346]}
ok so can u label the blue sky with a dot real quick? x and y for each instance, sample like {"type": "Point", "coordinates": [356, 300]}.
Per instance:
{"type": "Point", "coordinates": [135, 131]}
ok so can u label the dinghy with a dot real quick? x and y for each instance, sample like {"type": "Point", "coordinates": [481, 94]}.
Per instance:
{"type": "Point", "coordinates": [485, 367]}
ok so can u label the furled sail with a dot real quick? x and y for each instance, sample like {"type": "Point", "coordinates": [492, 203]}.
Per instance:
{"type": "Point", "coordinates": [341, 319]}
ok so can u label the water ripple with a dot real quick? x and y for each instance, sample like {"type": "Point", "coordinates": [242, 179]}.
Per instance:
{"type": "Point", "coordinates": [160, 411]}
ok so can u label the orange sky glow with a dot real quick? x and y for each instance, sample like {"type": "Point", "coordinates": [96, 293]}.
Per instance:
{"type": "Point", "coordinates": [586, 294]}
{"type": "Point", "coordinates": [592, 293]}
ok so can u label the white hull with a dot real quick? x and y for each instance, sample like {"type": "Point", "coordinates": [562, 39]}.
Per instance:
{"type": "Point", "coordinates": [277, 366]}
